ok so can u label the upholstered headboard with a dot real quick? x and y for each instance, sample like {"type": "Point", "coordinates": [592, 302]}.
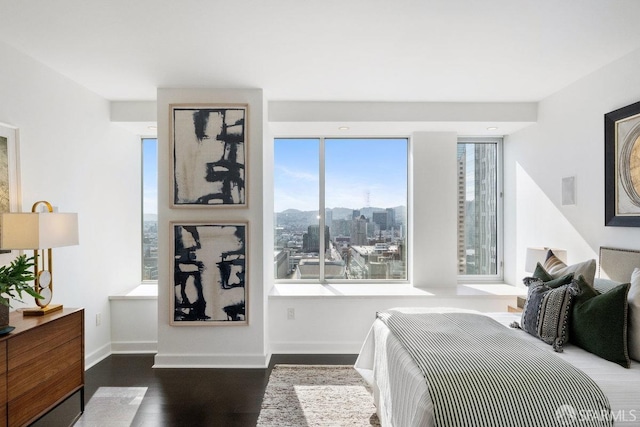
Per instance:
{"type": "Point", "coordinates": [618, 264]}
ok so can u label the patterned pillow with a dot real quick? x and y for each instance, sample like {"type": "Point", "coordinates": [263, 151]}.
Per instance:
{"type": "Point", "coordinates": [556, 268]}
{"type": "Point", "coordinates": [546, 312]}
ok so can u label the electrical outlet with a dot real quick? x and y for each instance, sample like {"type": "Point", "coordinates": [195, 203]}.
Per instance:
{"type": "Point", "coordinates": [291, 313]}
{"type": "Point", "coordinates": [98, 319]}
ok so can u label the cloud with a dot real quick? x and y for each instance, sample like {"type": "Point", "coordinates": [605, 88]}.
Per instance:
{"type": "Point", "coordinates": [298, 175]}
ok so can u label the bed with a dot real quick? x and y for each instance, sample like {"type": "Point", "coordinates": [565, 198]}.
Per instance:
{"type": "Point", "coordinates": [403, 396]}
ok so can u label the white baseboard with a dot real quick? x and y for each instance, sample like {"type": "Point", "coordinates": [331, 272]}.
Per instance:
{"type": "Point", "coordinates": [97, 356]}
{"type": "Point", "coordinates": [211, 361]}
{"type": "Point", "coordinates": [134, 347]}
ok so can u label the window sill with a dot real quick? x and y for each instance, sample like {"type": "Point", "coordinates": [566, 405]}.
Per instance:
{"type": "Point", "coordinates": [286, 290]}
{"type": "Point", "coordinates": [143, 291]}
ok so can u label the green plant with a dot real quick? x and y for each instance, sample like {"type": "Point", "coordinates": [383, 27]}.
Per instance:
{"type": "Point", "coordinates": [15, 278]}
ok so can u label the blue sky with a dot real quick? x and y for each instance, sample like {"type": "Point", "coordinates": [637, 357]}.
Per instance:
{"type": "Point", "coordinates": [150, 176]}
{"type": "Point", "coordinates": [359, 173]}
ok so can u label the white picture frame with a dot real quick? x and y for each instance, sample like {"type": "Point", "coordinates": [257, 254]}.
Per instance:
{"type": "Point", "coordinates": [10, 193]}
{"type": "Point", "coordinates": [209, 152]}
{"type": "Point", "coordinates": [208, 272]}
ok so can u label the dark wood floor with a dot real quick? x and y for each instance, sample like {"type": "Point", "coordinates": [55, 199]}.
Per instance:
{"type": "Point", "coordinates": [194, 397]}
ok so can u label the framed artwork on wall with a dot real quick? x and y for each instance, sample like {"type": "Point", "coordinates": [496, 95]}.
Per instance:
{"type": "Point", "coordinates": [9, 180]}
{"type": "Point", "coordinates": [209, 271]}
{"type": "Point", "coordinates": [209, 152]}
{"type": "Point", "coordinates": [622, 166]}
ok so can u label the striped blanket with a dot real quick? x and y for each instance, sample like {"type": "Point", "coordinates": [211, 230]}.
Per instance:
{"type": "Point", "coordinates": [480, 373]}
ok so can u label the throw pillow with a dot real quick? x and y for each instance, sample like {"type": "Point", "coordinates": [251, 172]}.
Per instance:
{"type": "Point", "coordinates": [556, 268]}
{"type": "Point", "coordinates": [546, 312]}
{"type": "Point", "coordinates": [633, 299]}
{"type": "Point", "coordinates": [599, 322]}
{"type": "Point", "coordinates": [548, 280]}
{"type": "Point", "coordinates": [541, 273]}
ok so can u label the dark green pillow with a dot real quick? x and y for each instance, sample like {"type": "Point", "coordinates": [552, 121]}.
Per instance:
{"type": "Point", "coordinates": [541, 273]}
{"type": "Point", "coordinates": [598, 322]}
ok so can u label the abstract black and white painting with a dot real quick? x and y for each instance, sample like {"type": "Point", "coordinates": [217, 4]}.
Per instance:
{"type": "Point", "coordinates": [209, 273]}
{"type": "Point", "coordinates": [209, 155]}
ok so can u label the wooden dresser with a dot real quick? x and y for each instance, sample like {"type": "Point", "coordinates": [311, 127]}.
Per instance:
{"type": "Point", "coordinates": [41, 365]}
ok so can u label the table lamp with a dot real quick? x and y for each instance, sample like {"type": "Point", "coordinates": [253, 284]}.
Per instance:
{"type": "Point", "coordinates": [40, 231]}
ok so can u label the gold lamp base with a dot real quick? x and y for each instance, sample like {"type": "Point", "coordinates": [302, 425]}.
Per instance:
{"type": "Point", "coordinates": [41, 311]}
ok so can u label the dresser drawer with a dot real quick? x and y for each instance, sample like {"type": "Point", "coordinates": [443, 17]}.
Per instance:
{"type": "Point", "coordinates": [54, 365]}
{"type": "Point", "coordinates": [3, 383]}
{"type": "Point", "coordinates": [36, 401]}
{"type": "Point", "coordinates": [34, 347]}
{"type": "Point", "coordinates": [44, 365]}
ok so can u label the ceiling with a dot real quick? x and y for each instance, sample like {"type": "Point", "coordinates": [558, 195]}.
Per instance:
{"type": "Point", "coordinates": [365, 50]}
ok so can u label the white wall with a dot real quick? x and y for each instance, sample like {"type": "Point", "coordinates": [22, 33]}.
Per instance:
{"type": "Point", "coordinates": [435, 209]}
{"type": "Point", "coordinates": [189, 345]}
{"type": "Point", "coordinates": [72, 156]}
{"type": "Point", "coordinates": [127, 311]}
{"type": "Point", "coordinates": [568, 140]}
{"type": "Point", "coordinates": [339, 324]}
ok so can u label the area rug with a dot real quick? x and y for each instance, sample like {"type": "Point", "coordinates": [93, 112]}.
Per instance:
{"type": "Point", "coordinates": [317, 395]}
{"type": "Point", "coordinates": [112, 407]}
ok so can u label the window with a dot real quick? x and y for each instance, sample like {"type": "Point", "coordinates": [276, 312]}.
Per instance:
{"type": "Point", "coordinates": [149, 209]}
{"type": "Point", "coordinates": [479, 209]}
{"type": "Point", "coordinates": [360, 186]}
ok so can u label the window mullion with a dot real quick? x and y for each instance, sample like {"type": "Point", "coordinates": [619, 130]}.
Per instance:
{"type": "Point", "coordinates": [321, 212]}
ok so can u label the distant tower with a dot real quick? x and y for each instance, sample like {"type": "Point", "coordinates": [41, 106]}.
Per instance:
{"type": "Point", "coordinates": [311, 239]}
{"type": "Point", "coordinates": [382, 219]}
{"type": "Point", "coordinates": [367, 199]}
{"type": "Point", "coordinates": [359, 230]}
{"type": "Point", "coordinates": [391, 217]}
{"type": "Point", "coordinates": [462, 208]}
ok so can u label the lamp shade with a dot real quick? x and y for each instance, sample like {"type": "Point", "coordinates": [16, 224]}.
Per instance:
{"type": "Point", "coordinates": [539, 255]}
{"type": "Point", "coordinates": [39, 230]}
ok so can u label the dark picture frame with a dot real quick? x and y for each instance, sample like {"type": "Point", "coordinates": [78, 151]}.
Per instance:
{"type": "Point", "coordinates": [209, 153]}
{"type": "Point", "coordinates": [622, 167]}
{"type": "Point", "coordinates": [209, 273]}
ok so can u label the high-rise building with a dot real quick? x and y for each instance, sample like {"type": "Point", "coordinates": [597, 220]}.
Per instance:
{"type": "Point", "coordinates": [477, 216]}
{"type": "Point", "coordinates": [391, 218]}
{"type": "Point", "coordinates": [359, 231]}
{"type": "Point", "coordinates": [311, 239]}
{"type": "Point", "coordinates": [340, 227]}
{"type": "Point", "coordinates": [462, 250]}
{"type": "Point", "coordinates": [485, 209]}
{"type": "Point", "coordinates": [381, 218]}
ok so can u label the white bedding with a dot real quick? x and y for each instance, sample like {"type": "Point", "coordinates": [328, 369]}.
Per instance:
{"type": "Point", "coordinates": [401, 392]}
